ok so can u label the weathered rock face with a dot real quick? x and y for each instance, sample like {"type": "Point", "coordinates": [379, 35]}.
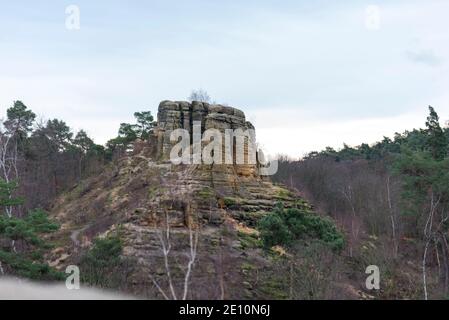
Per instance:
{"type": "Point", "coordinates": [134, 195]}
{"type": "Point", "coordinates": [183, 115]}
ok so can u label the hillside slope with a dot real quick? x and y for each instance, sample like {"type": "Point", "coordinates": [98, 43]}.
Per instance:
{"type": "Point", "coordinates": [206, 211]}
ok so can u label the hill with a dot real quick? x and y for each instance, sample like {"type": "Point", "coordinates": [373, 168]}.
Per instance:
{"type": "Point", "coordinates": [187, 230]}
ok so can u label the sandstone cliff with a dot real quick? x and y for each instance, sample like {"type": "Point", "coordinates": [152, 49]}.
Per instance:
{"type": "Point", "coordinates": [136, 196]}
{"type": "Point", "coordinates": [183, 115]}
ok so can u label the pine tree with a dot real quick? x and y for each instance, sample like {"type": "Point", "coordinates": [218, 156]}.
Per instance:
{"type": "Point", "coordinates": [436, 139]}
{"type": "Point", "coordinates": [20, 119]}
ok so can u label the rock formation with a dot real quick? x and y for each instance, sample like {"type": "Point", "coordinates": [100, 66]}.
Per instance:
{"type": "Point", "coordinates": [143, 191]}
{"type": "Point", "coordinates": [183, 115]}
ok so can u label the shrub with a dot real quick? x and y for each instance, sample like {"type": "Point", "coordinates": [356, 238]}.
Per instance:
{"type": "Point", "coordinates": [249, 240]}
{"type": "Point", "coordinates": [102, 265]}
{"type": "Point", "coordinates": [274, 231]}
{"type": "Point", "coordinates": [29, 268]}
{"type": "Point", "coordinates": [28, 262]}
{"type": "Point", "coordinates": [39, 222]}
{"type": "Point", "coordinates": [286, 226]}
{"type": "Point", "coordinates": [28, 229]}
{"type": "Point", "coordinates": [229, 201]}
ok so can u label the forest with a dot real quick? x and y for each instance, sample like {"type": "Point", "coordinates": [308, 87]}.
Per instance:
{"type": "Point", "coordinates": [39, 160]}
{"type": "Point", "coordinates": [390, 199]}
{"type": "Point", "coordinates": [393, 193]}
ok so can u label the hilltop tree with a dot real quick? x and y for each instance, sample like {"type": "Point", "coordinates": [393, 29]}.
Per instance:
{"type": "Point", "coordinates": [145, 122]}
{"type": "Point", "coordinates": [54, 158]}
{"type": "Point", "coordinates": [199, 95]}
{"type": "Point", "coordinates": [129, 133]}
{"type": "Point", "coordinates": [84, 148]}
{"type": "Point", "coordinates": [55, 134]}
{"type": "Point", "coordinates": [436, 139]}
{"type": "Point", "coordinates": [83, 142]}
{"type": "Point", "coordinates": [20, 119]}
{"type": "Point", "coordinates": [12, 135]}
{"type": "Point", "coordinates": [59, 133]}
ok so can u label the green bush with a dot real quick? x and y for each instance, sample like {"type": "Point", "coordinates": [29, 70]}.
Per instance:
{"type": "Point", "coordinates": [102, 266]}
{"type": "Point", "coordinates": [286, 226]}
{"type": "Point", "coordinates": [29, 268]}
{"type": "Point", "coordinates": [27, 229]}
{"type": "Point", "coordinates": [249, 241]}
{"type": "Point", "coordinates": [229, 201]}
{"type": "Point", "coordinates": [274, 231]}
{"type": "Point", "coordinates": [29, 261]}
{"type": "Point", "coordinates": [39, 222]}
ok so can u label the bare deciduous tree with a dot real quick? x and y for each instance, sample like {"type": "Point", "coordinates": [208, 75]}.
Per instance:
{"type": "Point", "coordinates": [199, 95]}
{"type": "Point", "coordinates": [164, 235]}
{"type": "Point", "coordinates": [392, 217]}
{"type": "Point", "coordinates": [433, 233]}
{"type": "Point", "coordinates": [8, 159]}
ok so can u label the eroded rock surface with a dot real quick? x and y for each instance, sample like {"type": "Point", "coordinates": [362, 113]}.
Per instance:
{"type": "Point", "coordinates": [136, 195]}
{"type": "Point", "coordinates": [184, 115]}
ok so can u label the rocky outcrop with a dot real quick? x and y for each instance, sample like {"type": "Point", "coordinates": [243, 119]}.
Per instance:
{"type": "Point", "coordinates": [181, 114]}
{"type": "Point", "coordinates": [136, 194]}
{"type": "Point", "coordinates": [174, 115]}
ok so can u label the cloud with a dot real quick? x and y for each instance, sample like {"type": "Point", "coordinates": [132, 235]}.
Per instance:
{"type": "Point", "coordinates": [314, 61]}
{"type": "Point", "coordinates": [426, 57]}
{"type": "Point", "coordinates": [306, 135]}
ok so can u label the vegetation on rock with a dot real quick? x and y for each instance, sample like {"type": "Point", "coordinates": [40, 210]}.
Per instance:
{"type": "Point", "coordinates": [396, 191]}
{"type": "Point", "coordinates": [286, 226]}
{"type": "Point", "coordinates": [22, 246]}
{"type": "Point", "coordinates": [102, 265]}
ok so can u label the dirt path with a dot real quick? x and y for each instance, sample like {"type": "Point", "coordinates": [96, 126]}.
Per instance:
{"type": "Point", "coordinates": [75, 234]}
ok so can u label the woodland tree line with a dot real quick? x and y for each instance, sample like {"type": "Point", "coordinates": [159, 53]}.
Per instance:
{"type": "Point", "coordinates": [45, 158]}
{"type": "Point", "coordinates": [395, 190]}
{"type": "Point", "coordinates": [38, 161]}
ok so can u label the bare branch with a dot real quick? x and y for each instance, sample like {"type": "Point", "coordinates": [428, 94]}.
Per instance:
{"type": "Point", "coordinates": [193, 250]}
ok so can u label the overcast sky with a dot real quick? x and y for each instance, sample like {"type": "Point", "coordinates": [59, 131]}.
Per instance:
{"type": "Point", "coordinates": [307, 73]}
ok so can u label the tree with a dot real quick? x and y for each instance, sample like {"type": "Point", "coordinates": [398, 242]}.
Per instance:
{"type": "Point", "coordinates": [54, 158]}
{"type": "Point", "coordinates": [145, 122]}
{"type": "Point", "coordinates": [6, 197]}
{"type": "Point", "coordinates": [27, 260]}
{"type": "Point", "coordinates": [164, 235]}
{"type": "Point", "coordinates": [118, 146]}
{"type": "Point", "coordinates": [199, 95]}
{"type": "Point", "coordinates": [285, 226]}
{"type": "Point", "coordinates": [83, 142]}
{"type": "Point", "coordinates": [59, 134]}
{"type": "Point", "coordinates": [141, 130]}
{"type": "Point", "coordinates": [20, 119]}
{"type": "Point", "coordinates": [103, 265]}
{"type": "Point", "coordinates": [12, 135]}
{"type": "Point", "coordinates": [128, 133]}
{"type": "Point", "coordinates": [8, 157]}
{"type": "Point", "coordinates": [436, 139]}
{"type": "Point", "coordinates": [426, 195]}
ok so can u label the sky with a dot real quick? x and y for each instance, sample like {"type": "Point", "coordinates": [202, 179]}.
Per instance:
{"type": "Point", "coordinates": [308, 74]}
